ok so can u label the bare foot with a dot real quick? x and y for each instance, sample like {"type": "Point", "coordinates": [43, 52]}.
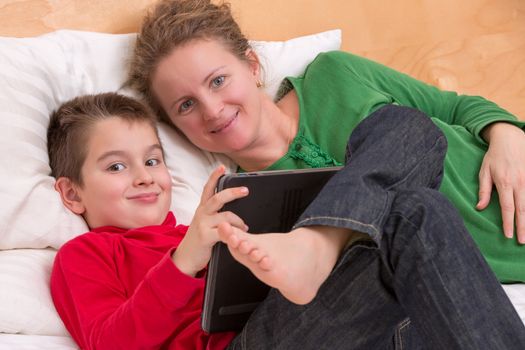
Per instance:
{"type": "Point", "coordinates": [296, 263]}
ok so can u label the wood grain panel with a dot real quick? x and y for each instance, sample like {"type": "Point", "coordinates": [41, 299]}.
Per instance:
{"type": "Point", "coordinates": [489, 65]}
{"type": "Point", "coordinates": [471, 46]}
{"type": "Point", "coordinates": [23, 18]}
{"type": "Point", "coordinates": [366, 25]}
{"type": "Point", "coordinates": [374, 24]}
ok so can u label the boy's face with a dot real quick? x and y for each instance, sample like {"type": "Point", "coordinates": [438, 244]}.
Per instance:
{"type": "Point", "coordinates": [125, 180]}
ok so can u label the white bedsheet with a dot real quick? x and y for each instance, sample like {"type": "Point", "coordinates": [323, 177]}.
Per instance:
{"type": "Point", "coordinates": [516, 293]}
{"type": "Point", "coordinates": [35, 342]}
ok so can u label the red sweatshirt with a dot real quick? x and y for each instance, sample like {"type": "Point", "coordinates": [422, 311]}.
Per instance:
{"type": "Point", "coordinates": [119, 289]}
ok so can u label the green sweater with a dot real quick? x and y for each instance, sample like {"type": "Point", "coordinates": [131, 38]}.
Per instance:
{"type": "Point", "coordinates": [338, 90]}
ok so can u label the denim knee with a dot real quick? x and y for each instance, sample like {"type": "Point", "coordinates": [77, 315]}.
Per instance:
{"type": "Point", "coordinates": [394, 139]}
{"type": "Point", "coordinates": [405, 123]}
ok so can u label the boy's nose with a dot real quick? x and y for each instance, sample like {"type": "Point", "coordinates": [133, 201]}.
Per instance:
{"type": "Point", "coordinates": [143, 177]}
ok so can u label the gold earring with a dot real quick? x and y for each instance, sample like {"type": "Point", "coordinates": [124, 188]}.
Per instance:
{"type": "Point", "coordinates": [258, 83]}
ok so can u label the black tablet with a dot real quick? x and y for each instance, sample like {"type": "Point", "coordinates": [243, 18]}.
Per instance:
{"type": "Point", "coordinates": [276, 200]}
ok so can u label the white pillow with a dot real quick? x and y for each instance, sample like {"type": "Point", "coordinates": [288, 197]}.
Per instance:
{"type": "Point", "coordinates": [38, 74]}
{"type": "Point", "coordinates": [289, 58]}
{"type": "Point", "coordinates": [25, 300]}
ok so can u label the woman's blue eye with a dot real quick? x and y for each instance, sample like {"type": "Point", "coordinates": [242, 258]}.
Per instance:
{"type": "Point", "coordinates": [218, 81]}
{"type": "Point", "coordinates": [116, 167]}
{"type": "Point", "coordinates": [152, 162]}
{"type": "Point", "coordinates": [186, 105]}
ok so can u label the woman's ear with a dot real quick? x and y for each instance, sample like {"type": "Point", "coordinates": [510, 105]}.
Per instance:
{"type": "Point", "coordinates": [69, 195]}
{"type": "Point", "coordinates": [254, 63]}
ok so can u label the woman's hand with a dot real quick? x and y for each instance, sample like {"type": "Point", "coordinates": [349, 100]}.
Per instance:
{"type": "Point", "coordinates": [504, 167]}
{"type": "Point", "coordinates": [194, 251]}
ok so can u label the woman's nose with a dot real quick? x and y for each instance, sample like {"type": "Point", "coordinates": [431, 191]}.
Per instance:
{"type": "Point", "coordinates": [212, 107]}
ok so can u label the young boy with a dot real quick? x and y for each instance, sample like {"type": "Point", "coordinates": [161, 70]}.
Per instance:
{"type": "Point", "coordinates": [123, 285]}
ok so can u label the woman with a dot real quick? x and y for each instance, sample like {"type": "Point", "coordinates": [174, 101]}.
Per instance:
{"type": "Point", "coordinates": [196, 68]}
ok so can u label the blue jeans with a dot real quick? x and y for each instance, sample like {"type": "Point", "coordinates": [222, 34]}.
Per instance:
{"type": "Point", "coordinates": [418, 282]}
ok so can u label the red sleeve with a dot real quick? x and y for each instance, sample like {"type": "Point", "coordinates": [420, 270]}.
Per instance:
{"type": "Point", "coordinates": [91, 299]}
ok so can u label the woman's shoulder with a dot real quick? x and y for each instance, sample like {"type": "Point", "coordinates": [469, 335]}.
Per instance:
{"type": "Point", "coordinates": [334, 61]}
{"type": "Point", "coordinates": [336, 57]}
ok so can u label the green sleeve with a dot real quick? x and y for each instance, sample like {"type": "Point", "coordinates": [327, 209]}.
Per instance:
{"type": "Point", "coordinates": [471, 112]}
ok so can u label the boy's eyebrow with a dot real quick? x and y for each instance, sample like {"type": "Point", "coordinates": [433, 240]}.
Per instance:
{"type": "Point", "coordinates": [123, 153]}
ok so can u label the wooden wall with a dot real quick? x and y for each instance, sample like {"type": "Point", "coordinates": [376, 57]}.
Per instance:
{"type": "Point", "coordinates": [471, 46]}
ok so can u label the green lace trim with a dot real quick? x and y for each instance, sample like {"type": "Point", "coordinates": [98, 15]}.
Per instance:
{"type": "Point", "coordinates": [304, 149]}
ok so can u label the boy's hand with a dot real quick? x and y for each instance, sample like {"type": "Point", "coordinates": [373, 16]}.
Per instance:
{"type": "Point", "coordinates": [194, 251]}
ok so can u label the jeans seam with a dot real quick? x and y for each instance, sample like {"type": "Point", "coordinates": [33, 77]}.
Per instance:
{"type": "Point", "coordinates": [350, 250]}
{"type": "Point", "coordinates": [403, 325]}
{"type": "Point", "coordinates": [448, 294]}
{"type": "Point", "coordinates": [304, 221]}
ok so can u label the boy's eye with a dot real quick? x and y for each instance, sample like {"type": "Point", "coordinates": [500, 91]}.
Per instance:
{"type": "Point", "coordinates": [152, 162]}
{"type": "Point", "coordinates": [218, 81]}
{"type": "Point", "coordinates": [186, 105]}
{"type": "Point", "coordinates": [116, 167]}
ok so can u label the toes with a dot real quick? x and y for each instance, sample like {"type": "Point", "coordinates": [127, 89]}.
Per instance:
{"type": "Point", "coordinates": [225, 231]}
{"type": "Point", "coordinates": [233, 241]}
{"type": "Point", "coordinates": [256, 255]}
{"type": "Point", "coordinates": [245, 247]}
{"type": "Point", "coordinates": [265, 263]}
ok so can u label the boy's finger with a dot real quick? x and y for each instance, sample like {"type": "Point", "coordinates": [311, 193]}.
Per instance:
{"type": "Point", "coordinates": [209, 188]}
{"type": "Point", "coordinates": [217, 201]}
{"type": "Point", "coordinates": [226, 234]}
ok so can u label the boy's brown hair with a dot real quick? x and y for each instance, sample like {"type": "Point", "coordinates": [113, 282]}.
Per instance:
{"type": "Point", "coordinates": [69, 128]}
{"type": "Point", "coordinates": [173, 23]}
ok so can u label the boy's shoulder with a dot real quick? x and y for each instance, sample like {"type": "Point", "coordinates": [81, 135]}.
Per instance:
{"type": "Point", "coordinates": [87, 241]}
{"type": "Point", "coordinates": [106, 236]}
{"type": "Point", "coordinates": [103, 240]}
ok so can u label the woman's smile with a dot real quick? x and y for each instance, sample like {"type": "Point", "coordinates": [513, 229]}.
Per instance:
{"type": "Point", "coordinates": [225, 126]}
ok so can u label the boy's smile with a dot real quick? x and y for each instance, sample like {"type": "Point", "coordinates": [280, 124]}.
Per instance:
{"type": "Point", "coordinates": [125, 180]}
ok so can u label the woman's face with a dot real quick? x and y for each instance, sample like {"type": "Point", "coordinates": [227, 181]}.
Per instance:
{"type": "Point", "coordinates": [210, 95]}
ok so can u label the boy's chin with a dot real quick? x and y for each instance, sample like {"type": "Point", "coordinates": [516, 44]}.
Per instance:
{"type": "Point", "coordinates": [142, 221]}
{"type": "Point", "coordinates": [148, 220]}
{"type": "Point", "coordinates": [130, 221]}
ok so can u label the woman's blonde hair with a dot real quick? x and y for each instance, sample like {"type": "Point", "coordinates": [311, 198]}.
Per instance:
{"type": "Point", "coordinates": [172, 23]}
